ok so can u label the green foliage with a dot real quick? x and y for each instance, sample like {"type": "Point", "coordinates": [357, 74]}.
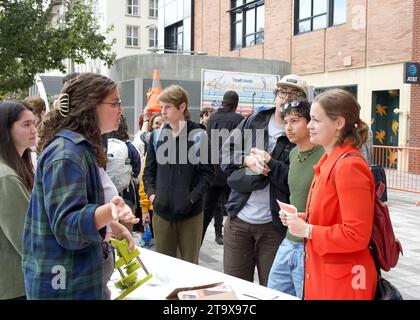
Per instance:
{"type": "Point", "coordinates": [15, 95]}
{"type": "Point", "coordinates": [35, 38]}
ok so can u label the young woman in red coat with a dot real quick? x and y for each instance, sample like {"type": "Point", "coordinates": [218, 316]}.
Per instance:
{"type": "Point", "coordinates": [338, 221]}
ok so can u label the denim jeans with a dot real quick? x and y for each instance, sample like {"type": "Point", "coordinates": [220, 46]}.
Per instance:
{"type": "Point", "coordinates": [286, 274]}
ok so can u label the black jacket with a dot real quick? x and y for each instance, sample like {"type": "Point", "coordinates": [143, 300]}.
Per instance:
{"type": "Point", "coordinates": [279, 167]}
{"type": "Point", "coordinates": [219, 120]}
{"type": "Point", "coordinates": [178, 179]}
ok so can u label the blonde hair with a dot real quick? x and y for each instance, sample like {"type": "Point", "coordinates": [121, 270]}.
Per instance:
{"type": "Point", "coordinates": [340, 103]}
{"type": "Point", "coordinates": [176, 95]}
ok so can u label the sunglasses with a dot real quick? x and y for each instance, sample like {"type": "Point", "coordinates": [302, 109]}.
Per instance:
{"type": "Point", "coordinates": [291, 104]}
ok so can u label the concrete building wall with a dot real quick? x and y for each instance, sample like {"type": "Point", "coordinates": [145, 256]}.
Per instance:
{"type": "Point", "coordinates": [188, 67]}
{"type": "Point", "coordinates": [134, 75]}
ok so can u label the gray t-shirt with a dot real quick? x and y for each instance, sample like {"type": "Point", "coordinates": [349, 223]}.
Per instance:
{"type": "Point", "coordinates": [257, 208]}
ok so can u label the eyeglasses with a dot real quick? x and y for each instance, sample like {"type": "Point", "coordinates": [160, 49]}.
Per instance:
{"type": "Point", "coordinates": [114, 104]}
{"type": "Point", "coordinates": [281, 93]}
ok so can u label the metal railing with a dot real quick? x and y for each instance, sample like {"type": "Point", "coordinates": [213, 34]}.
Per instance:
{"type": "Point", "coordinates": [401, 165]}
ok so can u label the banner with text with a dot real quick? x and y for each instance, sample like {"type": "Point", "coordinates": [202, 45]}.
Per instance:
{"type": "Point", "coordinates": [255, 90]}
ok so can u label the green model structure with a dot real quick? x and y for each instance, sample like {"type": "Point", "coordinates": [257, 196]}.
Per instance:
{"type": "Point", "coordinates": [131, 262]}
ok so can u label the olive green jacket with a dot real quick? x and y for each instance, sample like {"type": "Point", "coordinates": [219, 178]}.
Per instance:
{"type": "Point", "coordinates": [14, 200]}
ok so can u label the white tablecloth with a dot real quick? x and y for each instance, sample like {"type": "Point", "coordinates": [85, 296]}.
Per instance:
{"type": "Point", "coordinates": [170, 273]}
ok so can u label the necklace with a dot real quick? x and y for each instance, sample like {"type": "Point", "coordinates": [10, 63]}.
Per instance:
{"type": "Point", "coordinates": [302, 156]}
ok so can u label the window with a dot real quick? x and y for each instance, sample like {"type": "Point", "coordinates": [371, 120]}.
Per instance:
{"type": "Point", "coordinates": [133, 7]}
{"type": "Point", "coordinates": [247, 23]}
{"type": "Point", "coordinates": [153, 8]}
{"type": "Point", "coordinates": [352, 88]}
{"type": "Point", "coordinates": [152, 37]}
{"type": "Point", "coordinates": [339, 15]}
{"type": "Point", "coordinates": [174, 37]}
{"type": "Point", "coordinates": [311, 15]}
{"type": "Point", "coordinates": [132, 36]}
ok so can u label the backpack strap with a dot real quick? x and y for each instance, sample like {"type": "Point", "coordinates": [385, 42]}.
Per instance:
{"type": "Point", "coordinates": [246, 122]}
{"type": "Point", "coordinates": [156, 136]}
{"type": "Point", "coordinates": [349, 154]}
{"type": "Point", "coordinates": [379, 187]}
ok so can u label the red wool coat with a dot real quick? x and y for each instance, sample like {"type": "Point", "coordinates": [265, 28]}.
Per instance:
{"type": "Point", "coordinates": [338, 264]}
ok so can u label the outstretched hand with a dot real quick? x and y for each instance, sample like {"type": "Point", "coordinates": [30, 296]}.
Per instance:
{"type": "Point", "coordinates": [122, 212]}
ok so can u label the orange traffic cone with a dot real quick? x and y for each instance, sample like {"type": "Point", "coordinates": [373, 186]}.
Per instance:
{"type": "Point", "coordinates": [152, 100]}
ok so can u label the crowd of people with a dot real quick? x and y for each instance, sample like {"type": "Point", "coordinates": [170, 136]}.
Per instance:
{"type": "Point", "coordinates": [71, 179]}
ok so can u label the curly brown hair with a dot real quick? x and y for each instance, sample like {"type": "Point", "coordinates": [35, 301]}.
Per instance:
{"type": "Point", "coordinates": [85, 92]}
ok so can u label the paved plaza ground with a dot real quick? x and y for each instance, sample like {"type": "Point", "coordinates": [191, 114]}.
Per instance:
{"type": "Point", "coordinates": [405, 217]}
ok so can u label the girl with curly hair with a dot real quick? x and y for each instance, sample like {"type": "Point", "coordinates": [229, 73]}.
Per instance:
{"type": "Point", "coordinates": [74, 206]}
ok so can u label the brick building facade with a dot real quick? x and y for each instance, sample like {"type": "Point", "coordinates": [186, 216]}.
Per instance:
{"type": "Point", "coordinates": [377, 32]}
{"type": "Point", "coordinates": [366, 52]}
{"type": "Point", "coordinates": [415, 89]}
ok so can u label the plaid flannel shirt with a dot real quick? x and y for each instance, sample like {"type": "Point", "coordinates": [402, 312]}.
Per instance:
{"type": "Point", "coordinates": [62, 251]}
